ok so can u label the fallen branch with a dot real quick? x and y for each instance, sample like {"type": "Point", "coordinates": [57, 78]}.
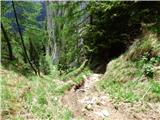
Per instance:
{"type": "Point", "coordinates": [144, 94]}
{"type": "Point", "coordinates": [75, 72]}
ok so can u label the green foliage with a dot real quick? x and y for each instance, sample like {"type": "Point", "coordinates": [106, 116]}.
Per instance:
{"type": "Point", "coordinates": [27, 13]}
{"type": "Point", "coordinates": [155, 87]}
{"type": "Point", "coordinates": [120, 92]}
{"type": "Point", "coordinates": [66, 33]}
{"type": "Point", "coordinates": [155, 27]}
{"type": "Point", "coordinates": [80, 30]}
{"type": "Point", "coordinates": [45, 65]}
{"type": "Point", "coordinates": [75, 72]}
{"type": "Point", "coordinates": [63, 88]}
{"type": "Point", "coordinates": [124, 80]}
{"type": "Point", "coordinates": [75, 80]}
{"type": "Point", "coordinates": [114, 25]}
{"type": "Point", "coordinates": [147, 64]}
{"type": "Point", "coordinates": [38, 95]}
{"type": "Point", "coordinates": [148, 70]}
{"type": "Point", "coordinates": [95, 30]}
{"type": "Point", "coordinates": [81, 76]}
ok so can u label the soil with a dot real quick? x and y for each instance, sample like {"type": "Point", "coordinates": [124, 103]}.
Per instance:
{"type": "Point", "coordinates": [87, 103]}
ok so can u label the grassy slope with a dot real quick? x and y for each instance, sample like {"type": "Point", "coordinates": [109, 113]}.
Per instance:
{"type": "Point", "coordinates": [31, 97]}
{"type": "Point", "coordinates": [126, 80]}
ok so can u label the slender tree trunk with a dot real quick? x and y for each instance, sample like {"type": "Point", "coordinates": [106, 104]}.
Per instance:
{"type": "Point", "coordinates": [84, 19]}
{"type": "Point", "coordinates": [49, 27]}
{"type": "Point", "coordinates": [22, 41]}
{"type": "Point", "coordinates": [52, 29]}
{"type": "Point", "coordinates": [34, 56]}
{"type": "Point", "coordinates": [8, 42]}
{"type": "Point", "coordinates": [91, 19]}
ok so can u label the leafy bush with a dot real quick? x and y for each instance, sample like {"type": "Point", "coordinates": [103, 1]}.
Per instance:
{"type": "Point", "coordinates": [45, 64]}
{"type": "Point", "coordinates": [148, 70]}
{"type": "Point", "coordinates": [147, 64]}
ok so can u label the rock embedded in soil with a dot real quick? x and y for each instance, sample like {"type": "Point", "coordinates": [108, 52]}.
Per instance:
{"type": "Point", "coordinates": [89, 107]}
{"type": "Point", "coordinates": [91, 104]}
{"type": "Point", "coordinates": [102, 113]}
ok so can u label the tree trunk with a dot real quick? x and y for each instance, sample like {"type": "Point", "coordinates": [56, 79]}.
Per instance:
{"type": "Point", "coordinates": [53, 47]}
{"type": "Point", "coordinates": [34, 56]}
{"type": "Point", "coordinates": [84, 19]}
{"type": "Point", "coordinates": [91, 19]}
{"type": "Point", "coordinates": [8, 42]}
{"type": "Point", "coordinates": [22, 41]}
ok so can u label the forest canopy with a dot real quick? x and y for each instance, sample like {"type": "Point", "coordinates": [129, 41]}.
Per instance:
{"type": "Point", "coordinates": [38, 35]}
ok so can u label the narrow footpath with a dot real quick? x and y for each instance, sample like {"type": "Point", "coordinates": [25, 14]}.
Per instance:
{"type": "Point", "coordinates": [87, 103]}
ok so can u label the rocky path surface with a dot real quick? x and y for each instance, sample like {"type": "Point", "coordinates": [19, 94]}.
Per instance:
{"type": "Point", "coordinates": [89, 104]}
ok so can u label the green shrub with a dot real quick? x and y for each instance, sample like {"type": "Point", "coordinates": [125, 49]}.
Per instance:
{"type": "Point", "coordinates": [44, 65]}
{"type": "Point", "coordinates": [147, 64]}
{"type": "Point", "coordinates": [148, 70]}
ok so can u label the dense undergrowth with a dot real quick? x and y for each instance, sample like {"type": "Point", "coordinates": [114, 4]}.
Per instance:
{"type": "Point", "coordinates": [135, 75]}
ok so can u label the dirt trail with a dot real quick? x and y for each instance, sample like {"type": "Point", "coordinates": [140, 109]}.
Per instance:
{"type": "Point", "coordinates": [88, 104]}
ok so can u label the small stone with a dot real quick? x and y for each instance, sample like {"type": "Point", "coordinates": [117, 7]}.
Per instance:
{"type": "Point", "coordinates": [55, 98]}
{"type": "Point", "coordinates": [34, 100]}
{"type": "Point", "coordinates": [105, 113]}
{"type": "Point", "coordinates": [116, 107]}
{"type": "Point", "coordinates": [83, 110]}
{"type": "Point", "coordinates": [89, 107]}
{"type": "Point", "coordinates": [99, 103]}
{"type": "Point", "coordinates": [100, 114]}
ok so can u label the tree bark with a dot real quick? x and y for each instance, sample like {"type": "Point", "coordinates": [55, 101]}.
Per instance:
{"type": "Point", "coordinates": [34, 56]}
{"type": "Point", "coordinates": [53, 48]}
{"type": "Point", "coordinates": [22, 41]}
{"type": "Point", "coordinates": [8, 42]}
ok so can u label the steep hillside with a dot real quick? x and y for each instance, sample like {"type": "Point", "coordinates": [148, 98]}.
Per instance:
{"type": "Point", "coordinates": [133, 79]}
{"type": "Point", "coordinates": [31, 97]}
{"type": "Point", "coordinates": [132, 82]}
